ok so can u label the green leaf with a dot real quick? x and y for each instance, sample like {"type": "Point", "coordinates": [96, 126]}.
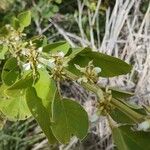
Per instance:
{"type": "Point", "coordinates": [134, 107]}
{"type": "Point", "coordinates": [39, 41]}
{"type": "Point", "coordinates": [24, 18]}
{"type": "Point", "coordinates": [127, 139]}
{"type": "Point", "coordinates": [19, 87]}
{"type": "Point", "coordinates": [110, 66]}
{"type": "Point", "coordinates": [116, 93]}
{"type": "Point", "coordinates": [57, 47]}
{"type": "Point", "coordinates": [4, 31]}
{"type": "Point", "coordinates": [55, 8]}
{"type": "Point", "coordinates": [45, 87]}
{"type": "Point", "coordinates": [40, 113]}
{"type": "Point", "coordinates": [14, 108]}
{"type": "Point", "coordinates": [120, 117]}
{"type": "Point", "coordinates": [39, 101]}
{"type": "Point", "coordinates": [3, 50]}
{"type": "Point", "coordinates": [47, 13]}
{"type": "Point", "coordinates": [15, 23]}
{"type": "Point", "coordinates": [75, 52]}
{"type": "Point", "coordinates": [23, 83]}
{"type": "Point", "coordinates": [69, 119]}
{"type": "Point", "coordinates": [118, 139]}
{"type": "Point", "coordinates": [15, 92]}
{"type": "Point", "coordinates": [10, 71]}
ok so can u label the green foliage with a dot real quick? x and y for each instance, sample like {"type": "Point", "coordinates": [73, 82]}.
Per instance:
{"type": "Point", "coordinates": [119, 94]}
{"type": "Point", "coordinates": [127, 139]}
{"type": "Point", "coordinates": [29, 87]}
{"type": "Point", "coordinates": [69, 119]}
{"type": "Point", "coordinates": [45, 9]}
{"type": "Point", "coordinates": [39, 102]}
{"type": "Point", "coordinates": [114, 65]}
{"type": "Point", "coordinates": [24, 19]}
{"type": "Point", "coordinates": [15, 23]}
{"type": "Point", "coordinates": [40, 113]}
{"type": "Point", "coordinates": [120, 117]}
{"type": "Point", "coordinates": [13, 108]}
{"type": "Point", "coordinates": [10, 71]}
{"type": "Point", "coordinates": [22, 83]}
{"type": "Point", "coordinates": [57, 47]}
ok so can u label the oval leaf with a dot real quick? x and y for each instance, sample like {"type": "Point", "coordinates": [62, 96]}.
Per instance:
{"type": "Point", "coordinates": [127, 139]}
{"type": "Point", "coordinates": [23, 83]}
{"type": "Point", "coordinates": [39, 41]}
{"type": "Point", "coordinates": [10, 71]}
{"type": "Point", "coordinates": [40, 113]}
{"type": "Point", "coordinates": [120, 117]}
{"type": "Point", "coordinates": [45, 88]}
{"type": "Point", "coordinates": [14, 108]}
{"type": "Point", "coordinates": [24, 18]}
{"type": "Point", "coordinates": [15, 23]}
{"type": "Point", "coordinates": [110, 66]}
{"type": "Point", "coordinates": [39, 101]}
{"type": "Point", "coordinates": [57, 47]}
{"type": "Point", "coordinates": [69, 119]}
{"type": "Point", "coordinates": [116, 93]}
{"type": "Point", "coordinates": [18, 88]}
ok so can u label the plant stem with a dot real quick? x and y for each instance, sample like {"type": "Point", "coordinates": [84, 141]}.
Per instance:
{"type": "Point", "coordinates": [136, 117]}
{"type": "Point", "coordinates": [88, 86]}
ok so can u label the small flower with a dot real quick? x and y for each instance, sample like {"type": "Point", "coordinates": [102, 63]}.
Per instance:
{"type": "Point", "coordinates": [80, 68]}
{"type": "Point", "coordinates": [82, 79]}
{"type": "Point", "coordinates": [30, 42]}
{"type": "Point", "coordinates": [17, 38]}
{"type": "Point", "coordinates": [23, 34]}
{"type": "Point", "coordinates": [7, 26]}
{"type": "Point", "coordinates": [97, 70]}
{"type": "Point", "coordinates": [89, 72]}
{"type": "Point", "coordinates": [1, 42]}
{"type": "Point", "coordinates": [40, 66]}
{"type": "Point", "coordinates": [26, 66]}
{"type": "Point", "coordinates": [61, 54]}
{"type": "Point", "coordinates": [143, 126]}
{"type": "Point", "coordinates": [51, 63]}
{"type": "Point", "coordinates": [40, 49]}
{"type": "Point", "coordinates": [24, 51]}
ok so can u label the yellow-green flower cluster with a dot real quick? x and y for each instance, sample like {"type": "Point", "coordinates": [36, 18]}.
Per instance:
{"type": "Point", "coordinates": [90, 73]}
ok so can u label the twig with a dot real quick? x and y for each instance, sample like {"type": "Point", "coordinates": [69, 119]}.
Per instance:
{"type": "Point", "coordinates": [63, 33]}
{"type": "Point", "coordinates": [91, 30]}
{"type": "Point", "coordinates": [45, 29]}
{"type": "Point", "coordinates": [96, 12]}
{"type": "Point", "coordinates": [40, 145]}
{"type": "Point", "coordinates": [73, 141]}
{"type": "Point", "coordinates": [82, 41]}
{"type": "Point", "coordinates": [80, 8]}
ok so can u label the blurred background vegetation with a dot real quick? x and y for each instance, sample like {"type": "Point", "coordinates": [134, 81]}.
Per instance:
{"type": "Point", "coordinates": [52, 18]}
